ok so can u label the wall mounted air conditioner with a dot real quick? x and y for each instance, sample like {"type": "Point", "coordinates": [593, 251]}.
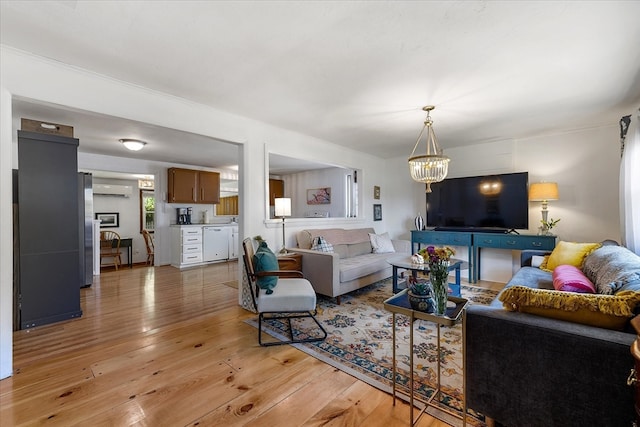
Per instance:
{"type": "Point", "coordinates": [112, 190]}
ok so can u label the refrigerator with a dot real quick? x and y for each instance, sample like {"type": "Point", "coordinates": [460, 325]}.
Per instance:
{"type": "Point", "coordinates": [85, 214]}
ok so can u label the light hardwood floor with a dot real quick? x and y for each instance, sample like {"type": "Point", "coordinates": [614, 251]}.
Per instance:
{"type": "Point", "coordinates": [157, 346]}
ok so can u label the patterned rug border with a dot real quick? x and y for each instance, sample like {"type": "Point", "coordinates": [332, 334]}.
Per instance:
{"type": "Point", "coordinates": [323, 354]}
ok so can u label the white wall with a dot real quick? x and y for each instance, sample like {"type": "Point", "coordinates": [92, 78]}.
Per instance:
{"type": "Point", "coordinates": [584, 163]}
{"type": "Point", "coordinates": [27, 76]}
{"type": "Point", "coordinates": [128, 209]}
{"type": "Point", "coordinates": [296, 186]}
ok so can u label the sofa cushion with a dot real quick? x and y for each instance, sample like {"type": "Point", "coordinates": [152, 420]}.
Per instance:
{"type": "Point", "coordinates": [570, 279]}
{"type": "Point", "coordinates": [613, 269]}
{"type": "Point", "coordinates": [569, 253]}
{"type": "Point", "coordinates": [381, 243]}
{"type": "Point", "coordinates": [358, 249]}
{"type": "Point", "coordinates": [343, 240]}
{"type": "Point", "coordinates": [363, 265]}
{"type": "Point", "coordinates": [605, 311]}
{"type": "Point", "coordinates": [265, 260]}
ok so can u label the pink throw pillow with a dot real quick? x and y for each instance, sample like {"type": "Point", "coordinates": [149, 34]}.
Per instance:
{"type": "Point", "coordinates": [570, 279]}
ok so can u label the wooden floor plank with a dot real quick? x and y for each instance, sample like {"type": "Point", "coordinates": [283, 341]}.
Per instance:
{"type": "Point", "coordinates": [163, 346]}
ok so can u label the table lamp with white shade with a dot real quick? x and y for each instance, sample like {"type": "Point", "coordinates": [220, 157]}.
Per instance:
{"type": "Point", "coordinates": [283, 209]}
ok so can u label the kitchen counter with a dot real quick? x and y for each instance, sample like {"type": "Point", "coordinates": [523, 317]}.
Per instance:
{"type": "Point", "coordinates": [198, 244]}
{"type": "Point", "coordinates": [226, 224]}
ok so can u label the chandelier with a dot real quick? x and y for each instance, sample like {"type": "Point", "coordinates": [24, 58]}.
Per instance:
{"type": "Point", "coordinates": [432, 166]}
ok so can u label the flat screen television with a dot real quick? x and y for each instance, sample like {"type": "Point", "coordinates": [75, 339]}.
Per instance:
{"type": "Point", "coordinates": [484, 203]}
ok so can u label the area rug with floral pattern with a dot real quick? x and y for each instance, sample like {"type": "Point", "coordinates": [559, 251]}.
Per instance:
{"type": "Point", "coordinates": [360, 343]}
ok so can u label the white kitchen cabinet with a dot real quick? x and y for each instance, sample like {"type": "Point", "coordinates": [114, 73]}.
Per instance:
{"type": "Point", "coordinates": [233, 243]}
{"type": "Point", "coordinates": [186, 245]}
{"type": "Point", "coordinates": [198, 244]}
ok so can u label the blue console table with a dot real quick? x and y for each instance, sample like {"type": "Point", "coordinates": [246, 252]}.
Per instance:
{"type": "Point", "coordinates": [475, 241]}
{"type": "Point", "coordinates": [444, 238]}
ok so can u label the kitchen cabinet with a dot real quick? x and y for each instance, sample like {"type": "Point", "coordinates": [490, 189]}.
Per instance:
{"type": "Point", "coordinates": [228, 206]}
{"type": "Point", "coordinates": [276, 190]}
{"type": "Point", "coordinates": [186, 245]}
{"type": "Point", "coordinates": [208, 187]}
{"type": "Point", "coordinates": [50, 271]}
{"type": "Point", "coordinates": [233, 243]}
{"type": "Point", "coordinates": [193, 186]}
{"type": "Point", "coordinates": [193, 245]}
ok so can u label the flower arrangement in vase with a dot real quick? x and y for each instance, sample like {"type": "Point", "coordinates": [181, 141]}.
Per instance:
{"type": "Point", "coordinates": [438, 260]}
{"type": "Point", "coordinates": [546, 227]}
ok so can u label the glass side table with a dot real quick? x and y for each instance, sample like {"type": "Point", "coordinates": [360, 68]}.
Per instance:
{"type": "Point", "coordinates": [405, 263]}
{"type": "Point", "coordinates": [399, 304]}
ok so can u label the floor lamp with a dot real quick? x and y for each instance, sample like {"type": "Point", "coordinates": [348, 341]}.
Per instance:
{"type": "Point", "coordinates": [283, 209]}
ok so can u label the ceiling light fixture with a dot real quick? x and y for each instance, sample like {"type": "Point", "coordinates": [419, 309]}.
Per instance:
{"type": "Point", "coordinates": [432, 166]}
{"type": "Point", "coordinates": [133, 144]}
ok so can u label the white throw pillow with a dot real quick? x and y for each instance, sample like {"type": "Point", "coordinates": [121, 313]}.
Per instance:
{"type": "Point", "coordinates": [381, 243]}
{"type": "Point", "coordinates": [536, 260]}
{"type": "Point", "coordinates": [320, 244]}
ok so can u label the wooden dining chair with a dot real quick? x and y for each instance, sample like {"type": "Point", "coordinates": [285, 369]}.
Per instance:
{"type": "Point", "coordinates": [148, 241]}
{"type": "Point", "coordinates": [293, 297]}
{"type": "Point", "coordinates": [110, 247]}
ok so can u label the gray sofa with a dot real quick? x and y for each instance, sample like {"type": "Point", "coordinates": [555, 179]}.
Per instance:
{"type": "Point", "coordinates": [528, 370]}
{"type": "Point", "coordinates": [351, 265]}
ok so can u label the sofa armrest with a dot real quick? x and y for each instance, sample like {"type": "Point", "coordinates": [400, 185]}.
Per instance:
{"type": "Point", "coordinates": [527, 255]}
{"type": "Point", "coordinates": [402, 246]}
{"type": "Point", "coordinates": [322, 269]}
{"type": "Point", "coordinates": [524, 369]}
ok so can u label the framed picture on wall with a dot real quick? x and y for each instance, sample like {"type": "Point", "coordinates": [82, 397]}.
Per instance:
{"type": "Point", "coordinates": [376, 192]}
{"type": "Point", "coordinates": [319, 196]}
{"type": "Point", "coordinates": [377, 212]}
{"type": "Point", "coordinates": [108, 219]}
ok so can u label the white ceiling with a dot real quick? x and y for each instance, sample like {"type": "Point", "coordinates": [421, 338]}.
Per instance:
{"type": "Point", "coordinates": [353, 73]}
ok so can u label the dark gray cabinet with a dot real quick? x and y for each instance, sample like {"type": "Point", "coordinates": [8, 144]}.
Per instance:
{"type": "Point", "coordinates": [49, 239]}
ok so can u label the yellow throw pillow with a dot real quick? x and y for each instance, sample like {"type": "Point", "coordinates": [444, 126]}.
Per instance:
{"type": "Point", "coordinates": [604, 311]}
{"type": "Point", "coordinates": [568, 253]}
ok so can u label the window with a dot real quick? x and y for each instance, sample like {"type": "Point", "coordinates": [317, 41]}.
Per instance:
{"type": "Point", "coordinates": [147, 210]}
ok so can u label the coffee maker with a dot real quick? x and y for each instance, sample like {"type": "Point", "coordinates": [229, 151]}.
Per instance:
{"type": "Point", "coordinates": [184, 216]}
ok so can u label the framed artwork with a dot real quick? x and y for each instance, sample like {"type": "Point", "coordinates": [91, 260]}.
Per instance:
{"type": "Point", "coordinates": [376, 192]}
{"type": "Point", "coordinates": [377, 212]}
{"type": "Point", "coordinates": [109, 219]}
{"type": "Point", "coordinates": [319, 196]}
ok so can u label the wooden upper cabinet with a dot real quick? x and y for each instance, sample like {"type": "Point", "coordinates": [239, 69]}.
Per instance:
{"type": "Point", "coordinates": [276, 190]}
{"type": "Point", "coordinates": [193, 186]}
{"type": "Point", "coordinates": [228, 206]}
{"type": "Point", "coordinates": [182, 184]}
{"type": "Point", "coordinates": [208, 187]}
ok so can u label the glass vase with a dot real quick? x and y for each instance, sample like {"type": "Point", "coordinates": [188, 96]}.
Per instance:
{"type": "Point", "coordinates": [438, 275]}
